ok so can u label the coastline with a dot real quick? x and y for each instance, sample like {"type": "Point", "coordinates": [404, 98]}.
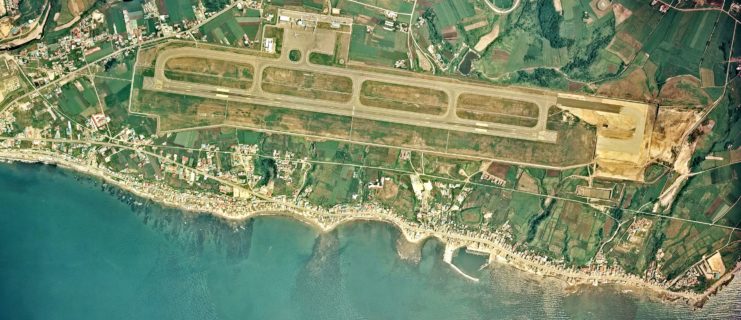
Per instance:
{"type": "Point", "coordinates": [326, 222]}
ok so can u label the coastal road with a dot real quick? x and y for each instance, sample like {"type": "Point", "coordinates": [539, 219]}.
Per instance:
{"type": "Point", "coordinates": [354, 108]}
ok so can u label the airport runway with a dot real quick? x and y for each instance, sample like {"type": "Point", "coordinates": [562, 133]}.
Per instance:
{"type": "Point", "coordinates": [354, 108]}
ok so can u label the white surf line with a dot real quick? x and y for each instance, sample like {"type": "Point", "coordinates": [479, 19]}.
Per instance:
{"type": "Point", "coordinates": [462, 273]}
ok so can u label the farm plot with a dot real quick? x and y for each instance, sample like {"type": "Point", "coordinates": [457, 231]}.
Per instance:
{"type": "Point", "coordinates": [451, 12]}
{"type": "Point", "coordinates": [307, 84]}
{"type": "Point", "coordinates": [380, 47]}
{"type": "Point", "coordinates": [497, 110]}
{"type": "Point", "coordinates": [678, 45]}
{"type": "Point", "coordinates": [403, 98]}
{"type": "Point", "coordinates": [233, 28]}
{"type": "Point", "coordinates": [401, 6]}
{"type": "Point", "coordinates": [572, 232]}
{"type": "Point", "coordinates": [178, 10]}
{"type": "Point", "coordinates": [78, 98]}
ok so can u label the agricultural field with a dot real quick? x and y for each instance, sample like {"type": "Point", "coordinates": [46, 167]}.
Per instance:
{"type": "Point", "coordinates": [451, 12]}
{"type": "Point", "coordinates": [79, 99]}
{"type": "Point", "coordinates": [712, 66]}
{"type": "Point", "coordinates": [448, 24]}
{"type": "Point", "coordinates": [306, 84]}
{"type": "Point", "coordinates": [570, 231]}
{"type": "Point", "coordinates": [114, 97]}
{"type": "Point", "coordinates": [399, 6]}
{"type": "Point", "coordinates": [521, 43]}
{"type": "Point", "coordinates": [333, 184]}
{"type": "Point", "coordinates": [178, 10]}
{"type": "Point", "coordinates": [379, 47]}
{"type": "Point", "coordinates": [106, 48]}
{"type": "Point", "coordinates": [497, 110]}
{"type": "Point", "coordinates": [403, 98]}
{"type": "Point", "coordinates": [680, 42]}
{"type": "Point", "coordinates": [30, 10]}
{"type": "Point", "coordinates": [544, 197]}
{"type": "Point", "coordinates": [235, 27]}
{"type": "Point", "coordinates": [503, 4]}
{"type": "Point", "coordinates": [71, 9]}
{"type": "Point", "coordinates": [308, 5]}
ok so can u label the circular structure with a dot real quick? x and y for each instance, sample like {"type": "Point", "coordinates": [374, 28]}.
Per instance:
{"type": "Point", "coordinates": [602, 5]}
{"type": "Point", "coordinates": [294, 55]}
{"type": "Point", "coordinates": [499, 10]}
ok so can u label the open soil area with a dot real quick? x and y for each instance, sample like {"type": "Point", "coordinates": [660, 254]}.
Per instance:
{"type": "Point", "coordinates": [307, 84]}
{"type": "Point", "coordinates": [403, 98]}
{"type": "Point", "coordinates": [497, 110]}
{"type": "Point", "coordinates": [632, 87]}
{"type": "Point", "coordinates": [211, 67]}
{"type": "Point", "coordinates": [208, 71]}
{"type": "Point", "coordinates": [685, 90]}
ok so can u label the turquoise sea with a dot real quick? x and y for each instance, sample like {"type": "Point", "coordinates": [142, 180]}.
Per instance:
{"type": "Point", "coordinates": [71, 248]}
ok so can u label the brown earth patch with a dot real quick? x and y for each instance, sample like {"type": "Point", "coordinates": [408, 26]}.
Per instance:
{"type": "Point", "coordinates": [707, 76]}
{"type": "Point", "coordinates": [390, 190]}
{"type": "Point", "coordinates": [669, 128]}
{"type": "Point", "coordinates": [403, 98]}
{"type": "Point", "coordinates": [497, 110]}
{"type": "Point", "coordinates": [527, 183]}
{"type": "Point", "coordinates": [632, 87]}
{"type": "Point", "coordinates": [499, 55]}
{"type": "Point", "coordinates": [621, 13]}
{"type": "Point", "coordinates": [684, 90]}
{"type": "Point", "coordinates": [306, 84]}
{"type": "Point", "coordinates": [624, 46]}
{"type": "Point", "coordinates": [211, 67]}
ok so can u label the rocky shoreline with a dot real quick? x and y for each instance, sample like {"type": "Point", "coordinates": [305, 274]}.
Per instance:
{"type": "Point", "coordinates": [414, 235]}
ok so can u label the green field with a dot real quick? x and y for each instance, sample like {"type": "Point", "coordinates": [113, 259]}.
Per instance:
{"type": "Point", "coordinates": [230, 27]}
{"type": "Point", "coordinates": [106, 48]}
{"type": "Point", "coordinates": [180, 10]}
{"type": "Point", "coordinates": [451, 12]}
{"type": "Point", "coordinates": [679, 43]}
{"type": "Point", "coordinates": [503, 4]}
{"type": "Point", "coordinates": [76, 102]}
{"type": "Point", "coordinates": [400, 6]}
{"type": "Point", "coordinates": [382, 47]}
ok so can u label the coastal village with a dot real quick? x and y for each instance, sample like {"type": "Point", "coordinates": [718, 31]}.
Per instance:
{"type": "Point", "coordinates": [71, 101]}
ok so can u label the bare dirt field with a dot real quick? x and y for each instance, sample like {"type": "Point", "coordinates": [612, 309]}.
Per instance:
{"type": "Point", "coordinates": [498, 110]}
{"type": "Point", "coordinates": [527, 183]}
{"type": "Point", "coordinates": [624, 46]}
{"type": "Point", "coordinates": [211, 67]}
{"type": "Point", "coordinates": [707, 76]}
{"type": "Point", "coordinates": [403, 98]}
{"type": "Point", "coordinates": [669, 127]}
{"type": "Point", "coordinates": [307, 84]}
{"type": "Point", "coordinates": [632, 87]}
{"type": "Point", "coordinates": [208, 71]}
{"type": "Point", "coordinates": [294, 121]}
{"type": "Point", "coordinates": [399, 135]}
{"type": "Point", "coordinates": [575, 145]}
{"type": "Point", "coordinates": [684, 90]}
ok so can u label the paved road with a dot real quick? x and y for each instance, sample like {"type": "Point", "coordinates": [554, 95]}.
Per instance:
{"type": "Point", "coordinates": [447, 121]}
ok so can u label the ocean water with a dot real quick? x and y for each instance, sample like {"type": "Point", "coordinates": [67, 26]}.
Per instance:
{"type": "Point", "coordinates": [71, 248]}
